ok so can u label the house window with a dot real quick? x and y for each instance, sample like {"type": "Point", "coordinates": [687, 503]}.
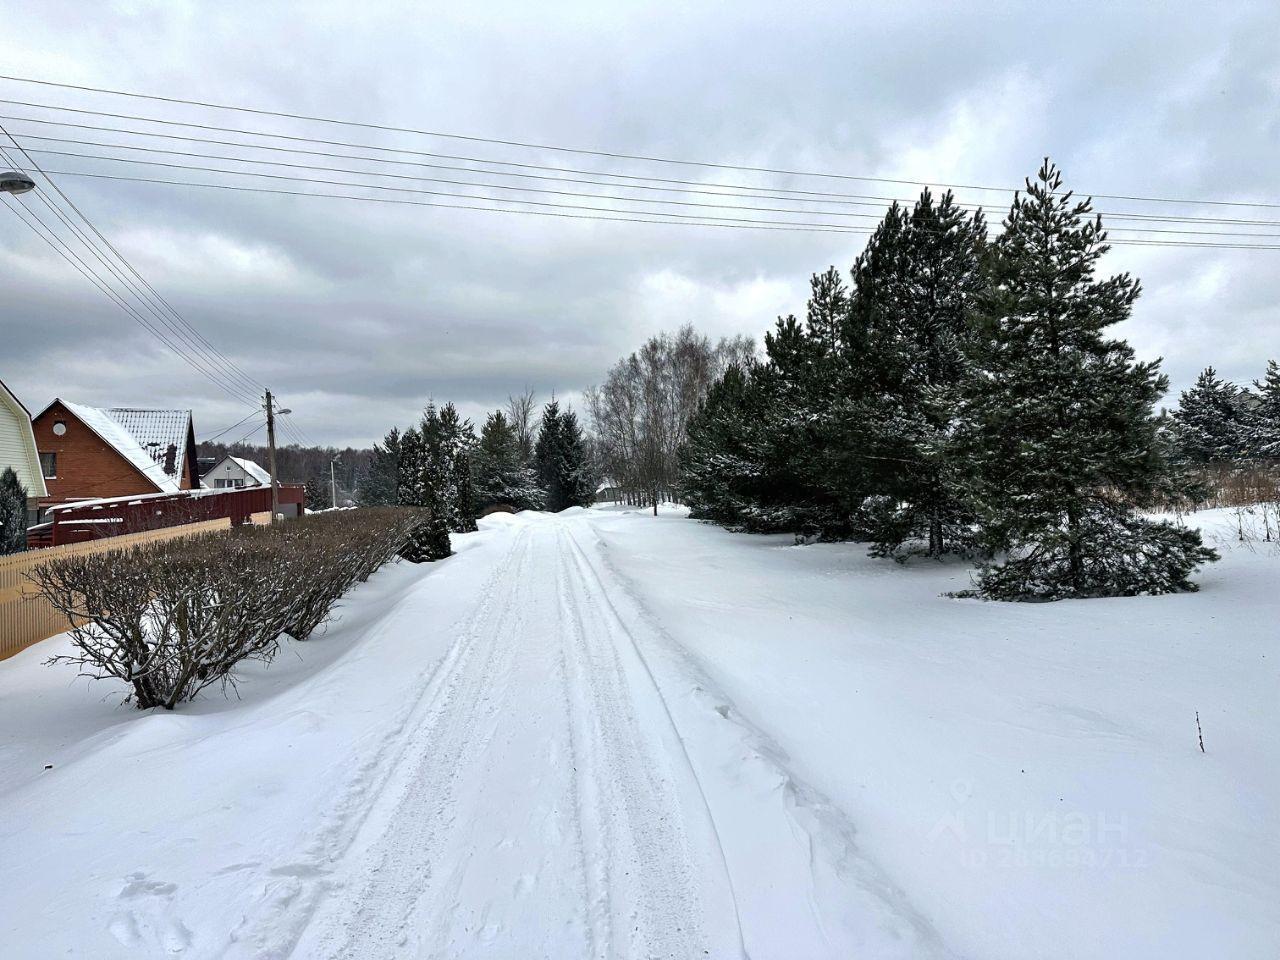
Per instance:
{"type": "Point", "coordinates": [49, 465]}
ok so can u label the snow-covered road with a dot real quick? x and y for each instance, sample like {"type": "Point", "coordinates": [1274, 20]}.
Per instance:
{"type": "Point", "coordinates": [542, 800]}
{"type": "Point", "coordinates": [607, 735]}
{"type": "Point", "coordinates": [539, 802]}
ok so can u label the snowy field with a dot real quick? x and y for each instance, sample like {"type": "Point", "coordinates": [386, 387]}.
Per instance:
{"type": "Point", "coordinates": [602, 734]}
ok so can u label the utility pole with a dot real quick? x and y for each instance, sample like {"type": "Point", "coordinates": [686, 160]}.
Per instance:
{"type": "Point", "coordinates": [271, 457]}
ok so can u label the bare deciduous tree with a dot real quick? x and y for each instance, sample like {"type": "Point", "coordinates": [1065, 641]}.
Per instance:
{"type": "Point", "coordinates": [642, 410]}
{"type": "Point", "coordinates": [521, 413]}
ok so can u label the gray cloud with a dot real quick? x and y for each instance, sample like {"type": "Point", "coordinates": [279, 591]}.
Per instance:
{"type": "Point", "coordinates": [357, 313]}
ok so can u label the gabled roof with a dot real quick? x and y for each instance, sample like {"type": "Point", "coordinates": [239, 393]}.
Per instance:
{"type": "Point", "coordinates": [29, 473]}
{"type": "Point", "coordinates": [142, 437]}
{"type": "Point", "coordinates": [254, 472]}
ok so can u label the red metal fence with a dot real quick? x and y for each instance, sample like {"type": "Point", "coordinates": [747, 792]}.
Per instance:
{"type": "Point", "coordinates": [96, 519]}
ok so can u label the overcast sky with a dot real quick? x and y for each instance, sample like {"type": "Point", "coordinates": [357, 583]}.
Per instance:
{"type": "Point", "coordinates": [357, 313]}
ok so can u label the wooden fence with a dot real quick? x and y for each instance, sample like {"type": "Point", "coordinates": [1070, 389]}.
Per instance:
{"type": "Point", "coordinates": [26, 618]}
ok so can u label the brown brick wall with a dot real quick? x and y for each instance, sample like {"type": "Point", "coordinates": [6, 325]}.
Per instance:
{"type": "Point", "coordinates": [87, 466]}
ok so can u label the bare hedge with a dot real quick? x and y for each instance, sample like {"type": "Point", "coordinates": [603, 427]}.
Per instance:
{"type": "Point", "coordinates": [174, 617]}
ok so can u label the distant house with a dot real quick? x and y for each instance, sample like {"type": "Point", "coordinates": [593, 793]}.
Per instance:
{"type": "Point", "coordinates": [18, 448]}
{"type": "Point", "coordinates": [233, 473]}
{"type": "Point", "coordinates": [609, 492]}
{"type": "Point", "coordinates": [92, 452]}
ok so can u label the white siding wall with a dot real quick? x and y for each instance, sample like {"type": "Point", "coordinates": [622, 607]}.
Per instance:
{"type": "Point", "coordinates": [15, 448]}
{"type": "Point", "coordinates": [228, 470]}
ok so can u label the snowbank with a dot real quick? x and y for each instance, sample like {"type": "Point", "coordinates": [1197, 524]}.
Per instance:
{"type": "Point", "coordinates": [216, 812]}
{"type": "Point", "coordinates": [1028, 774]}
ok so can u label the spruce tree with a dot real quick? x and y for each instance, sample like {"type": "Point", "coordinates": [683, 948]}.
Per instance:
{"type": "Point", "coordinates": [410, 468]}
{"type": "Point", "coordinates": [424, 483]}
{"type": "Point", "coordinates": [1263, 433]}
{"type": "Point", "coordinates": [13, 513]}
{"type": "Point", "coordinates": [451, 439]}
{"type": "Point", "coordinates": [1061, 432]}
{"type": "Point", "coordinates": [380, 487]}
{"type": "Point", "coordinates": [498, 467]}
{"type": "Point", "coordinates": [1209, 424]}
{"type": "Point", "coordinates": [317, 493]}
{"type": "Point", "coordinates": [563, 468]}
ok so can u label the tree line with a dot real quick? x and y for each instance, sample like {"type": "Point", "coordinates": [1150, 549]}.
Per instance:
{"type": "Point", "coordinates": [959, 394]}
{"type": "Point", "coordinates": [515, 463]}
{"type": "Point", "coordinates": [1220, 422]}
{"type": "Point", "coordinates": [309, 466]}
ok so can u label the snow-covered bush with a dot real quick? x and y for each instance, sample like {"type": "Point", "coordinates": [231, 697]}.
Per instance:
{"type": "Point", "coordinates": [174, 617]}
{"type": "Point", "coordinates": [1118, 554]}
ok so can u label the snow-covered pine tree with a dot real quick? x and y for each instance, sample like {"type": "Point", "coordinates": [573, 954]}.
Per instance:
{"type": "Point", "coordinates": [1263, 433]}
{"type": "Point", "coordinates": [579, 483]}
{"type": "Point", "coordinates": [439, 447]}
{"type": "Point", "coordinates": [1061, 432]}
{"type": "Point", "coordinates": [914, 285]}
{"type": "Point", "coordinates": [409, 470]}
{"type": "Point", "coordinates": [380, 487]}
{"type": "Point", "coordinates": [1209, 425]}
{"type": "Point", "coordinates": [424, 482]}
{"type": "Point", "coordinates": [498, 467]}
{"type": "Point", "coordinates": [13, 513]}
{"type": "Point", "coordinates": [433, 540]}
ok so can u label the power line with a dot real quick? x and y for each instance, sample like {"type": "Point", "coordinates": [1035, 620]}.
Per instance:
{"type": "Point", "coordinates": [454, 206]}
{"type": "Point", "coordinates": [197, 362]}
{"type": "Point", "coordinates": [580, 151]}
{"type": "Point", "coordinates": [446, 193]}
{"type": "Point", "coordinates": [689, 186]}
{"type": "Point", "coordinates": [64, 249]}
{"type": "Point", "coordinates": [47, 234]}
{"type": "Point", "coordinates": [655, 218]}
{"type": "Point", "coordinates": [201, 361]}
{"type": "Point", "coordinates": [227, 430]}
{"type": "Point", "coordinates": [255, 429]}
{"type": "Point", "coordinates": [500, 186]}
{"type": "Point", "coordinates": [199, 344]}
{"type": "Point", "coordinates": [300, 436]}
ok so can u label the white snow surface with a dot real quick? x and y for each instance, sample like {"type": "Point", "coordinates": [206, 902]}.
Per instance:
{"type": "Point", "coordinates": [605, 734]}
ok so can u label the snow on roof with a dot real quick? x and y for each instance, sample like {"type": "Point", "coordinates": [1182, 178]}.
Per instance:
{"type": "Point", "coordinates": [142, 437]}
{"type": "Point", "coordinates": [252, 469]}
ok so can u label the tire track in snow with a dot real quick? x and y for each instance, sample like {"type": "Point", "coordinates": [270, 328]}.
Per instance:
{"type": "Point", "coordinates": [823, 896]}
{"type": "Point", "coordinates": [643, 796]}
{"type": "Point", "coordinates": [290, 901]}
{"type": "Point", "coordinates": [402, 833]}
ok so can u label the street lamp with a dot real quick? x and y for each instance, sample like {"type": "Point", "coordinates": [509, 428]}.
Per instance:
{"type": "Point", "coordinates": [15, 183]}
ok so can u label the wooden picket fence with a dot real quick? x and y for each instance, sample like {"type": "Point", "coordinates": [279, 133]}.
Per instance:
{"type": "Point", "coordinates": [26, 618]}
